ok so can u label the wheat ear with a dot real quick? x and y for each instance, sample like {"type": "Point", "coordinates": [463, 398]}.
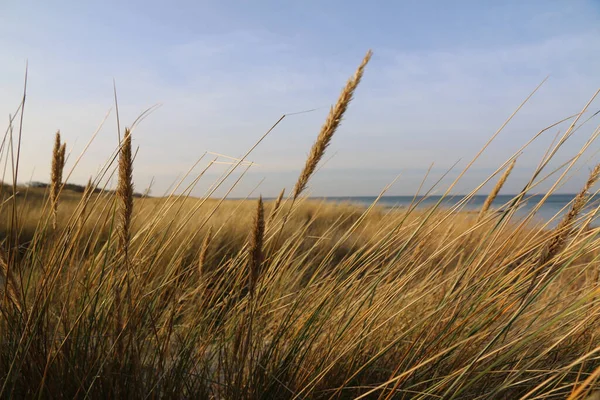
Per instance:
{"type": "Point", "coordinates": [125, 195]}
{"type": "Point", "coordinates": [565, 227]}
{"type": "Point", "coordinates": [332, 122]}
{"type": "Point", "coordinates": [55, 177]}
{"type": "Point", "coordinates": [494, 193]}
{"type": "Point", "coordinates": [63, 151]}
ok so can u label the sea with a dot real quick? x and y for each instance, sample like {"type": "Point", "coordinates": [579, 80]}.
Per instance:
{"type": "Point", "coordinates": [550, 212]}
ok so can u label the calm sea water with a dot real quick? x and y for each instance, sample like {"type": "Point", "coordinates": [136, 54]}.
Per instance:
{"type": "Point", "coordinates": [551, 209]}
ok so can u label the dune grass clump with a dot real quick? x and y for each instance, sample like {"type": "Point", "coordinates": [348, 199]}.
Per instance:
{"type": "Point", "coordinates": [116, 296]}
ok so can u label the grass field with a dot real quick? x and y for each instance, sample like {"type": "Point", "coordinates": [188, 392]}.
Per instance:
{"type": "Point", "coordinates": [107, 295]}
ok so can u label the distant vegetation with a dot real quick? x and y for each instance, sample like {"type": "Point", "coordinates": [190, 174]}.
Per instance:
{"type": "Point", "coordinates": [73, 187]}
{"type": "Point", "coordinates": [109, 294]}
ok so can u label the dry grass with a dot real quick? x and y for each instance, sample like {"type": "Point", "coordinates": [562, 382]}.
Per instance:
{"type": "Point", "coordinates": [317, 301]}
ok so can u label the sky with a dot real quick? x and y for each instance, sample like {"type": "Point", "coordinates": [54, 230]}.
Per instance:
{"type": "Point", "coordinates": [443, 78]}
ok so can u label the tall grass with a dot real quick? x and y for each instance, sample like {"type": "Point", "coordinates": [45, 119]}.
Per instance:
{"type": "Point", "coordinates": [183, 297]}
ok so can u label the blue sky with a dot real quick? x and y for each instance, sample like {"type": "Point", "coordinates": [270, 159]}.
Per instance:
{"type": "Point", "coordinates": [444, 77]}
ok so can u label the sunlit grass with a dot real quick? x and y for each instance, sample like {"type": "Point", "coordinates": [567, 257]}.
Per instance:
{"type": "Point", "coordinates": [303, 299]}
